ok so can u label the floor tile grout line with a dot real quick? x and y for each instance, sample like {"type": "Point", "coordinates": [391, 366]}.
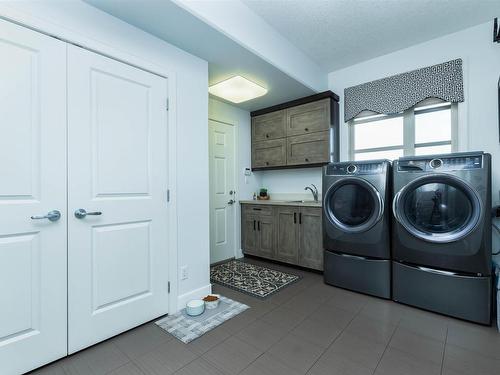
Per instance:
{"type": "Point", "coordinates": [444, 349]}
{"type": "Point", "coordinates": [385, 349]}
{"type": "Point", "coordinates": [336, 338]}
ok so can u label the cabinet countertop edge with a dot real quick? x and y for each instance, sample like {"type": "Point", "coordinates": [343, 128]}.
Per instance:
{"type": "Point", "coordinates": [282, 203]}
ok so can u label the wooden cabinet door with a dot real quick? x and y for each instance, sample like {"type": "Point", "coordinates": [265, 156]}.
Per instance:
{"type": "Point", "coordinates": [287, 246]}
{"type": "Point", "coordinates": [269, 126]}
{"type": "Point", "coordinates": [311, 239]}
{"type": "Point", "coordinates": [249, 242]}
{"type": "Point", "coordinates": [269, 153]}
{"type": "Point", "coordinates": [309, 118]}
{"type": "Point", "coordinates": [308, 149]}
{"type": "Point", "coordinates": [266, 237]}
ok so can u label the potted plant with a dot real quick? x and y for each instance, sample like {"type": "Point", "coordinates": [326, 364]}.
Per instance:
{"type": "Point", "coordinates": [263, 194]}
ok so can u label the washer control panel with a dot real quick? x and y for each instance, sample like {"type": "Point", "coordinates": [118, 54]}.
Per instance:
{"type": "Point", "coordinates": [441, 163]}
{"type": "Point", "coordinates": [353, 168]}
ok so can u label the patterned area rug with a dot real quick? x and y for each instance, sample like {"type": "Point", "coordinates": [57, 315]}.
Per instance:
{"type": "Point", "coordinates": [187, 328]}
{"type": "Point", "coordinates": [251, 279]}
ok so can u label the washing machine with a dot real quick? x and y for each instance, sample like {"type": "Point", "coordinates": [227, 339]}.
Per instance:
{"type": "Point", "coordinates": [441, 234]}
{"type": "Point", "coordinates": [356, 226]}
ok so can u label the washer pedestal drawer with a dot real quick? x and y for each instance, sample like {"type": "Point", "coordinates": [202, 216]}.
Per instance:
{"type": "Point", "coordinates": [370, 276]}
{"type": "Point", "coordinates": [464, 297]}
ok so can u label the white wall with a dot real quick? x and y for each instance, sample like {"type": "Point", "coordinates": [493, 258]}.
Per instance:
{"type": "Point", "coordinates": [478, 115]}
{"type": "Point", "coordinates": [290, 180]}
{"type": "Point", "coordinates": [223, 112]}
{"type": "Point", "coordinates": [87, 26]}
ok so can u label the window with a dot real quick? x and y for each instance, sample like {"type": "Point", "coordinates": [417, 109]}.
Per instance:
{"type": "Point", "coordinates": [427, 128]}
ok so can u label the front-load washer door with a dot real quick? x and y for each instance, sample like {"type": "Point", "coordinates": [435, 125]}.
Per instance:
{"type": "Point", "coordinates": [353, 205]}
{"type": "Point", "coordinates": [438, 208]}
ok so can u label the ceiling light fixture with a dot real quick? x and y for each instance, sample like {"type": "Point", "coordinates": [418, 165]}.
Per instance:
{"type": "Point", "coordinates": [237, 89]}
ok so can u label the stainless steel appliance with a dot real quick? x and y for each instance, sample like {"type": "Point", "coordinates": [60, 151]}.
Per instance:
{"type": "Point", "coordinates": [441, 237]}
{"type": "Point", "coordinates": [356, 226]}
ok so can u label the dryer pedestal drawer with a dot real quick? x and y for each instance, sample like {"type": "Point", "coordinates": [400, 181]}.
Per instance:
{"type": "Point", "coordinates": [371, 276]}
{"type": "Point", "coordinates": [463, 297]}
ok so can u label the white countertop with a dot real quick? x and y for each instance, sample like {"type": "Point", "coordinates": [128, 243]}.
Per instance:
{"type": "Point", "coordinates": [271, 202]}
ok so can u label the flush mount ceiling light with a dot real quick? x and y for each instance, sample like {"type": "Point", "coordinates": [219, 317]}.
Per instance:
{"type": "Point", "coordinates": [237, 89]}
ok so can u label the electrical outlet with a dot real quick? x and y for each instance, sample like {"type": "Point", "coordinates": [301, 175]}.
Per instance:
{"type": "Point", "coordinates": [184, 273]}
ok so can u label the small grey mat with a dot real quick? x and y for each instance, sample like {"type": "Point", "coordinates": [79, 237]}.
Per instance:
{"type": "Point", "coordinates": [187, 328]}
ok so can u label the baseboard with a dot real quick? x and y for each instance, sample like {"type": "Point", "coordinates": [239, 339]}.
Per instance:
{"type": "Point", "coordinates": [239, 254]}
{"type": "Point", "coordinates": [194, 294]}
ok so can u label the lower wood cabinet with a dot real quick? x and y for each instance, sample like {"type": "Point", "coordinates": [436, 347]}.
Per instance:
{"type": "Point", "coordinates": [287, 244]}
{"type": "Point", "coordinates": [289, 234]}
{"type": "Point", "coordinates": [310, 238]}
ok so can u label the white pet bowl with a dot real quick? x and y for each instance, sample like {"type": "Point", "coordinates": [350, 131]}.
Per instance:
{"type": "Point", "coordinates": [212, 304]}
{"type": "Point", "coordinates": [195, 307]}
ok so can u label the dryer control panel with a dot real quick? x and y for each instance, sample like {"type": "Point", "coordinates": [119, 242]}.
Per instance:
{"type": "Point", "coordinates": [441, 163]}
{"type": "Point", "coordinates": [355, 168]}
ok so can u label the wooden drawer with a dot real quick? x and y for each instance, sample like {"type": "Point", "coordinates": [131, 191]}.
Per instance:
{"type": "Point", "coordinates": [257, 209]}
{"type": "Point", "coordinates": [269, 126]}
{"type": "Point", "coordinates": [269, 153]}
{"type": "Point", "coordinates": [308, 118]}
{"type": "Point", "coordinates": [308, 149]}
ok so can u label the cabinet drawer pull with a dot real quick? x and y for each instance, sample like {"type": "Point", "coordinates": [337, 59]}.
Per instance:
{"type": "Point", "coordinates": [257, 209]}
{"type": "Point", "coordinates": [267, 163]}
{"type": "Point", "coordinates": [295, 218]}
{"type": "Point", "coordinates": [306, 129]}
{"type": "Point", "coordinates": [300, 218]}
{"type": "Point", "coordinates": [254, 225]}
{"type": "Point", "coordinates": [306, 159]}
{"type": "Point", "coordinates": [258, 225]}
{"type": "Point", "coordinates": [267, 135]}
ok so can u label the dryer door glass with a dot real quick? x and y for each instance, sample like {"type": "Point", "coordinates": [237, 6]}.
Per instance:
{"type": "Point", "coordinates": [353, 205]}
{"type": "Point", "coordinates": [439, 211]}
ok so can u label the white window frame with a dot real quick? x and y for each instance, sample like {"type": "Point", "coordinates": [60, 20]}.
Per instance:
{"type": "Point", "coordinates": [408, 116]}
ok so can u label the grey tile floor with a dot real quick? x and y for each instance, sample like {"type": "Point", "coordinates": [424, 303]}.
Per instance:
{"type": "Point", "coordinates": [307, 328]}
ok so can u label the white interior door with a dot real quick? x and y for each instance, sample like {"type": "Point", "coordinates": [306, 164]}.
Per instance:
{"type": "Point", "coordinates": [32, 182]}
{"type": "Point", "coordinates": [222, 191]}
{"type": "Point", "coordinates": [117, 166]}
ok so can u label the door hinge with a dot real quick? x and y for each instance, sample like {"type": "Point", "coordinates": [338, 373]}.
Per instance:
{"type": "Point", "coordinates": [168, 288]}
{"type": "Point", "coordinates": [168, 195]}
{"type": "Point", "coordinates": [168, 104]}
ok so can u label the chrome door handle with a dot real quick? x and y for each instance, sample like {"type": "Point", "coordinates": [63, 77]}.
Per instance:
{"type": "Point", "coordinates": [52, 216]}
{"type": "Point", "coordinates": [81, 213]}
{"type": "Point", "coordinates": [230, 202]}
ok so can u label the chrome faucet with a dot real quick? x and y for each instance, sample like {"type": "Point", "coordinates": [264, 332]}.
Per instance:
{"type": "Point", "coordinates": [314, 192]}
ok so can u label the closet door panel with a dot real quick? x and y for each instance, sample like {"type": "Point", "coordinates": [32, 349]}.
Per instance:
{"type": "Point", "coordinates": [117, 142]}
{"type": "Point", "coordinates": [33, 183]}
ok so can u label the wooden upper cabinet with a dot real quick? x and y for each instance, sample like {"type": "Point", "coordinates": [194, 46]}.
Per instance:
{"type": "Point", "coordinates": [269, 153]}
{"type": "Point", "coordinates": [309, 118]}
{"type": "Point", "coordinates": [269, 126]}
{"type": "Point", "coordinates": [300, 133]}
{"type": "Point", "coordinates": [308, 149]}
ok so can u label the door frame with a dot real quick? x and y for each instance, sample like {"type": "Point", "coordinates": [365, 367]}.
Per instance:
{"type": "Point", "coordinates": [237, 208]}
{"type": "Point", "coordinates": [69, 36]}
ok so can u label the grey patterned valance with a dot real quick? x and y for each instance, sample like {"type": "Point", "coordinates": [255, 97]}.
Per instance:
{"type": "Point", "coordinates": [400, 92]}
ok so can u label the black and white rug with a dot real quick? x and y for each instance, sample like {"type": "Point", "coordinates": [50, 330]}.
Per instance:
{"type": "Point", "coordinates": [250, 278]}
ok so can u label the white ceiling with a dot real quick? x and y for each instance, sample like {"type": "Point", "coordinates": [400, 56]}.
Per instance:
{"type": "Point", "coordinates": [339, 33]}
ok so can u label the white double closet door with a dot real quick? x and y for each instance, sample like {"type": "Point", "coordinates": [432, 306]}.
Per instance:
{"type": "Point", "coordinates": [78, 131]}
